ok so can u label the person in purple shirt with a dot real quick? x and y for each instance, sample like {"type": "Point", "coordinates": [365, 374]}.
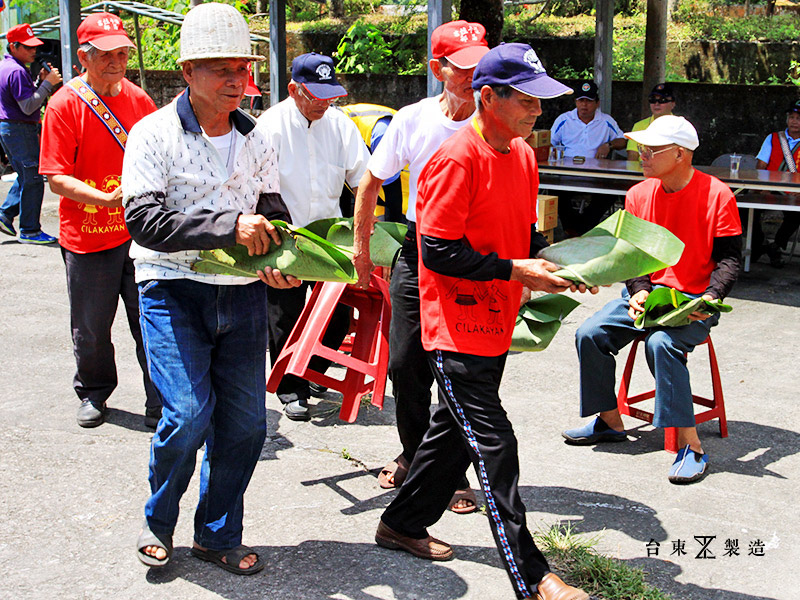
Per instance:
{"type": "Point", "coordinates": [20, 104]}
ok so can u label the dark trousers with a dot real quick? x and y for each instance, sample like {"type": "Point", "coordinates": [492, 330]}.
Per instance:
{"type": "Point", "coordinates": [95, 283]}
{"type": "Point", "coordinates": [576, 221]}
{"type": "Point", "coordinates": [409, 368]}
{"type": "Point", "coordinates": [470, 425]}
{"type": "Point", "coordinates": [284, 308]}
{"type": "Point", "coordinates": [790, 223]}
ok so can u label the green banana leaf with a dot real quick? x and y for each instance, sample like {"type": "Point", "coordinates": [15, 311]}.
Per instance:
{"type": "Point", "coordinates": [539, 320]}
{"type": "Point", "coordinates": [302, 253]}
{"type": "Point", "coordinates": [667, 307]}
{"type": "Point", "coordinates": [621, 247]}
{"type": "Point", "coordinates": [386, 240]}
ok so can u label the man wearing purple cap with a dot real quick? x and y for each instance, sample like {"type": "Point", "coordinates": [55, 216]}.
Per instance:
{"type": "Point", "coordinates": [319, 151]}
{"type": "Point", "coordinates": [414, 134]}
{"type": "Point", "coordinates": [20, 103]}
{"type": "Point", "coordinates": [83, 142]}
{"type": "Point", "coordinates": [485, 173]}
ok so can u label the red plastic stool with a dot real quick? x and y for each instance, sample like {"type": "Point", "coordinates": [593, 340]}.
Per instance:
{"type": "Point", "coordinates": [369, 353]}
{"type": "Point", "coordinates": [716, 405]}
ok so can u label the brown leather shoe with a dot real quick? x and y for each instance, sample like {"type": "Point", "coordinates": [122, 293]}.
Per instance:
{"type": "Point", "coordinates": [429, 548]}
{"type": "Point", "coordinates": [552, 588]}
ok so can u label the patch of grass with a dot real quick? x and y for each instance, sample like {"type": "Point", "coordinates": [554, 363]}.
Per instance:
{"type": "Point", "coordinates": [596, 574]}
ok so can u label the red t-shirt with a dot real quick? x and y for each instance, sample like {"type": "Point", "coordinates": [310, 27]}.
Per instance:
{"type": "Point", "coordinates": [698, 213]}
{"type": "Point", "coordinates": [76, 143]}
{"type": "Point", "coordinates": [470, 191]}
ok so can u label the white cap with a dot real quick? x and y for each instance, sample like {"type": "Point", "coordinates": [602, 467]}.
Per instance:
{"type": "Point", "coordinates": [214, 30]}
{"type": "Point", "coordinates": [666, 130]}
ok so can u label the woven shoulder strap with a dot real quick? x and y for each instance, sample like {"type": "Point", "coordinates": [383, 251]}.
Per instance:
{"type": "Point", "coordinates": [791, 165]}
{"type": "Point", "coordinates": [99, 108]}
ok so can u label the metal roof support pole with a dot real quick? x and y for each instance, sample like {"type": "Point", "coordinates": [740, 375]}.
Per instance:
{"type": "Point", "coordinates": [655, 49]}
{"type": "Point", "coordinates": [603, 51]}
{"type": "Point", "coordinates": [70, 12]}
{"type": "Point", "coordinates": [277, 52]}
{"type": "Point", "coordinates": [142, 82]}
{"type": "Point", "coordinates": [439, 11]}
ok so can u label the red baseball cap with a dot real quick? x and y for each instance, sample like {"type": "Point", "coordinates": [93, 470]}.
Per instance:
{"type": "Point", "coordinates": [24, 35]}
{"type": "Point", "coordinates": [104, 31]}
{"type": "Point", "coordinates": [462, 43]}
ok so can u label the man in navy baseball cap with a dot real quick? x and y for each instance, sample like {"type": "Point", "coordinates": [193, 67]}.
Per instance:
{"type": "Point", "coordinates": [470, 279]}
{"type": "Point", "coordinates": [316, 74]}
{"type": "Point", "coordinates": [517, 66]}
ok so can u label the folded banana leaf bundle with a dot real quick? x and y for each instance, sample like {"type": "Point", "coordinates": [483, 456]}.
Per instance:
{"type": "Point", "coordinates": [320, 251]}
{"type": "Point", "coordinates": [667, 307]}
{"type": "Point", "coordinates": [386, 240]}
{"type": "Point", "coordinates": [539, 320]}
{"type": "Point", "coordinates": [302, 253]}
{"type": "Point", "coordinates": [621, 247]}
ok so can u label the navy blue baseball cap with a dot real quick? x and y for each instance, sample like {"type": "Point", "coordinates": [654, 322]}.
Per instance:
{"type": "Point", "coordinates": [315, 72]}
{"type": "Point", "coordinates": [517, 65]}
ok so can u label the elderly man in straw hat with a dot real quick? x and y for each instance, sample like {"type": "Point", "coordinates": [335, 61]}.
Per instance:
{"type": "Point", "coordinates": [198, 175]}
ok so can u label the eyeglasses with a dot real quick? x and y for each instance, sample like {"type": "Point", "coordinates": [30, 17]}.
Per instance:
{"type": "Point", "coordinates": [647, 153]}
{"type": "Point", "coordinates": [659, 100]}
{"type": "Point", "coordinates": [310, 98]}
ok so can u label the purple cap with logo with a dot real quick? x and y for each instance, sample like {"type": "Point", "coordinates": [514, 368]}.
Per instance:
{"type": "Point", "coordinates": [316, 73]}
{"type": "Point", "coordinates": [517, 66]}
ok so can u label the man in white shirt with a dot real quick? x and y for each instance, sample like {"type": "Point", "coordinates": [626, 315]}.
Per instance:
{"type": "Point", "coordinates": [414, 134]}
{"type": "Point", "coordinates": [588, 132]}
{"type": "Point", "coordinates": [319, 151]}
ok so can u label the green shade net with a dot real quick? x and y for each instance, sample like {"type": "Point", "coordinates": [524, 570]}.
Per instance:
{"type": "Point", "coordinates": [539, 320]}
{"type": "Point", "coordinates": [620, 248]}
{"type": "Point", "coordinates": [302, 254]}
{"type": "Point", "coordinates": [667, 307]}
{"type": "Point", "coordinates": [386, 239]}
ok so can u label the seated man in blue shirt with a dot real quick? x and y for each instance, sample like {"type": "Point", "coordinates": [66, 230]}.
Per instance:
{"type": "Point", "coordinates": [588, 132]}
{"type": "Point", "coordinates": [779, 152]}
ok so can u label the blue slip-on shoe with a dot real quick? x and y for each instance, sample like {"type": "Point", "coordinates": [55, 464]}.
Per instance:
{"type": "Point", "coordinates": [37, 238]}
{"type": "Point", "coordinates": [595, 432]}
{"type": "Point", "coordinates": [7, 227]}
{"type": "Point", "coordinates": [689, 466]}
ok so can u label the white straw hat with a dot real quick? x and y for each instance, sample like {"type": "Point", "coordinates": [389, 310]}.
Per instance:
{"type": "Point", "coordinates": [214, 30]}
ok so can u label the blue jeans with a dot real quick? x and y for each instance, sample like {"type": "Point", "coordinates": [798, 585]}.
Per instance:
{"type": "Point", "coordinates": [21, 143]}
{"type": "Point", "coordinates": [206, 349]}
{"type": "Point", "coordinates": [609, 330]}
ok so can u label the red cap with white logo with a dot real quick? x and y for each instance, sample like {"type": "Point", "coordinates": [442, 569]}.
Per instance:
{"type": "Point", "coordinates": [462, 43]}
{"type": "Point", "coordinates": [24, 35]}
{"type": "Point", "coordinates": [104, 31]}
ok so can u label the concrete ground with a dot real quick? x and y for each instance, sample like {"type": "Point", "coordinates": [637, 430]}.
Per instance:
{"type": "Point", "coordinates": [72, 499]}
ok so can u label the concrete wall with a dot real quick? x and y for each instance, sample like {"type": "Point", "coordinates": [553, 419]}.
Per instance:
{"type": "Point", "coordinates": [728, 118]}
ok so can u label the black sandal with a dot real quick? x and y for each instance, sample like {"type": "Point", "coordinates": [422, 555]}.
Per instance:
{"type": "Point", "coordinates": [232, 558]}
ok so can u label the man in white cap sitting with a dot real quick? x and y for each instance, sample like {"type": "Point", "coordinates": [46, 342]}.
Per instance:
{"type": "Point", "coordinates": [319, 150]}
{"type": "Point", "coordinates": [701, 211]}
{"type": "Point", "coordinates": [484, 173]}
{"type": "Point", "coordinates": [199, 175]}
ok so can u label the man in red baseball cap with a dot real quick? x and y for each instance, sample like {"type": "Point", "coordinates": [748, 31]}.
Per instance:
{"type": "Point", "coordinates": [83, 142]}
{"type": "Point", "coordinates": [104, 31]}
{"type": "Point", "coordinates": [20, 106]}
{"type": "Point", "coordinates": [414, 134]}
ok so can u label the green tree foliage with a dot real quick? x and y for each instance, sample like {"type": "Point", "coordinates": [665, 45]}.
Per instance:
{"type": "Point", "coordinates": [364, 49]}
